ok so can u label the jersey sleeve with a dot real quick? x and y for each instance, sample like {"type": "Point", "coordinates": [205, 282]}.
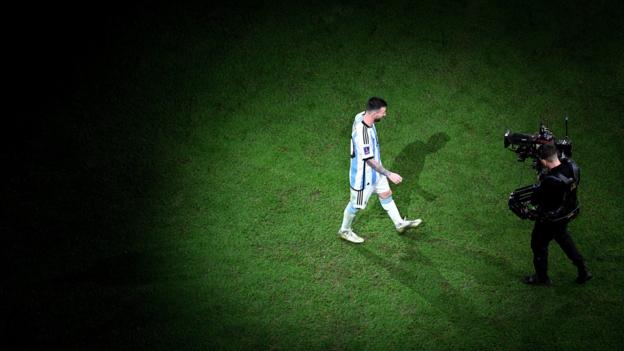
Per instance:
{"type": "Point", "coordinates": [363, 142]}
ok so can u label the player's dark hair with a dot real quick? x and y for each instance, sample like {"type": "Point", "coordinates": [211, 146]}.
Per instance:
{"type": "Point", "coordinates": [548, 152]}
{"type": "Point", "coordinates": [375, 103]}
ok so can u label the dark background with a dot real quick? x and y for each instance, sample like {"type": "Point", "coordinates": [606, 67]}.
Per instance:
{"type": "Point", "coordinates": [82, 149]}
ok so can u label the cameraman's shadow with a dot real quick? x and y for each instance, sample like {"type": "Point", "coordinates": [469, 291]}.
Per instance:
{"type": "Point", "coordinates": [410, 163]}
{"type": "Point", "coordinates": [422, 269]}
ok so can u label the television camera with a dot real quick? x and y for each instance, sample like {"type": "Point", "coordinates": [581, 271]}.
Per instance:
{"type": "Point", "coordinates": [527, 146]}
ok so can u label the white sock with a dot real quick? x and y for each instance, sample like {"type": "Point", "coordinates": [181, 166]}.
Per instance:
{"type": "Point", "coordinates": [390, 207]}
{"type": "Point", "coordinates": [348, 216]}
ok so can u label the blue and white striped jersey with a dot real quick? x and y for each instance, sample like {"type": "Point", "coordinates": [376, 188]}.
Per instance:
{"type": "Point", "coordinates": [364, 146]}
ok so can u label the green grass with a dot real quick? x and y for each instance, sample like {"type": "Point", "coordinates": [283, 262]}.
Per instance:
{"type": "Point", "coordinates": [221, 144]}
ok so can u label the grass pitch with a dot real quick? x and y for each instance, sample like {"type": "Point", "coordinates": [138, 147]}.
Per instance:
{"type": "Point", "coordinates": [210, 172]}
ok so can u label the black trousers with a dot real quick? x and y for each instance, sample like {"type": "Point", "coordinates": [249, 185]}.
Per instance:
{"type": "Point", "coordinates": [543, 234]}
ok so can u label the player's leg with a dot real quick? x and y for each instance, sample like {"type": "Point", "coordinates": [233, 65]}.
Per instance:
{"type": "Point", "coordinates": [358, 201]}
{"type": "Point", "coordinates": [348, 217]}
{"type": "Point", "coordinates": [387, 202]}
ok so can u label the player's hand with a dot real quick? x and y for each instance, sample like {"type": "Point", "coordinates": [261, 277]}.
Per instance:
{"type": "Point", "coordinates": [395, 178]}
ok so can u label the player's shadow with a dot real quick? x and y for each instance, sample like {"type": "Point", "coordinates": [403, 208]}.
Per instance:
{"type": "Point", "coordinates": [410, 163]}
{"type": "Point", "coordinates": [416, 271]}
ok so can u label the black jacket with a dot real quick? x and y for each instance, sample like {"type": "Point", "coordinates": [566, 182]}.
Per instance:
{"type": "Point", "coordinates": [555, 195]}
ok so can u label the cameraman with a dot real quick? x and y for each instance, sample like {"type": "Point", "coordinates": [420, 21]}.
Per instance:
{"type": "Point", "coordinates": [556, 203]}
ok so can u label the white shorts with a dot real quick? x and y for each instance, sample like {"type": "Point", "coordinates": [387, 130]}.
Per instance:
{"type": "Point", "coordinates": [359, 198]}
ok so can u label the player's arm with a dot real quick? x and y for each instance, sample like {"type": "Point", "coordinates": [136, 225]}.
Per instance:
{"type": "Point", "coordinates": [395, 178]}
{"type": "Point", "coordinates": [363, 141]}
